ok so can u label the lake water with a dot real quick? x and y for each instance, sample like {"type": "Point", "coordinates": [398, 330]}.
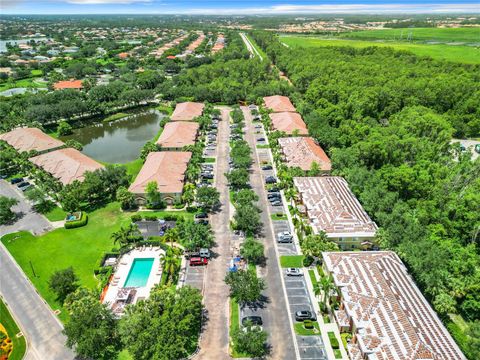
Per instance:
{"type": "Point", "coordinates": [120, 141]}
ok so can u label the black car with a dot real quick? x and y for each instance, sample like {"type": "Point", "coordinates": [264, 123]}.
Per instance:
{"type": "Point", "coordinates": [270, 180]}
{"type": "Point", "coordinates": [207, 176]}
{"type": "Point", "coordinates": [274, 195]}
{"type": "Point", "coordinates": [305, 315]}
{"type": "Point", "coordinates": [201, 216]}
{"type": "Point", "coordinates": [16, 180]}
{"type": "Point", "coordinates": [261, 139]}
{"type": "Point", "coordinates": [255, 320]}
{"type": "Point", "coordinates": [23, 184]}
{"type": "Point", "coordinates": [267, 167]}
{"type": "Point", "coordinates": [273, 190]}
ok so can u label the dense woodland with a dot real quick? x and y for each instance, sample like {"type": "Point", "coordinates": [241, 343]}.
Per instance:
{"type": "Point", "coordinates": [387, 118]}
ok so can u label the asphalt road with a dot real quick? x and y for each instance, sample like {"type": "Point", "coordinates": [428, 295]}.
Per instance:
{"type": "Point", "coordinates": [27, 219]}
{"type": "Point", "coordinates": [277, 321]}
{"type": "Point", "coordinates": [214, 338]}
{"type": "Point", "coordinates": [41, 328]}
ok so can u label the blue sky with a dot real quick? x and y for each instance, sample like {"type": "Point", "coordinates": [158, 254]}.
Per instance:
{"type": "Point", "coordinates": [234, 6]}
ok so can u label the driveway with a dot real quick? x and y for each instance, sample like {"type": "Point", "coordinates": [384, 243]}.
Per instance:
{"type": "Point", "coordinates": [214, 337]}
{"type": "Point", "coordinates": [277, 322]}
{"type": "Point", "coordinates": [27, 219]}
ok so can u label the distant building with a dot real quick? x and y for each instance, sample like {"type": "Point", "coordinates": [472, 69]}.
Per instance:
{"type": "Point", "coordinates": [333, 208]}
{"type": "Point", "coordinates": [279, 103]}
{"type": "Point", "coordinates": [384, 310]}
{"type": "Point", "coordinates": [68, 84]}
{"type": "Point", "coordinates": [167, 169]}
{"type": "Point", "coordinates": [302, 152]}
{"type": "Point", "coordinates": [290, 123]}
{"type": "Point", "coordinates": [177, 134]}
{"type": "Point", "coordinates": [28, 139]}
{"type": "Point", "coordinates": [187, 111]}
{"type": "Point", "coordinates": [66, 165]}
{"type": "Point", "coordinates": [123, 55]}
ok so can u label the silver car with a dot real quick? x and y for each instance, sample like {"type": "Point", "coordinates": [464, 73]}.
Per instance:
{"type": "Point", "coordinates": [294, 272]}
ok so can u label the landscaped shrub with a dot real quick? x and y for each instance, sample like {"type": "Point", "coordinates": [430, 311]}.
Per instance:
{"type": "Point", "coordinates": [333, 340]}
{"type": "Point", "coordinates": [136, 217]}
{"type": "Point", "coordinates": [192, 209]}
{"type": "Point", "coordinates": [308, 260]}
{"type": "Point", "coordinates": [150, 217]}
{"type": "Point", "coordinates": [171, 217]}
{"type": "Point", "coordinates": [77, 223]}
{"type": "Point", "coordinates": [308, 324]}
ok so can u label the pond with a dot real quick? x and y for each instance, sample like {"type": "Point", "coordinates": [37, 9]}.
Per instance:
{"type": "Point", "coordinates": [119, 141]}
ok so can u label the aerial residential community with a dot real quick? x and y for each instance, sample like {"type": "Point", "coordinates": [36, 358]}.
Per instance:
{"type": "Point", "coordinates": [239, 181]}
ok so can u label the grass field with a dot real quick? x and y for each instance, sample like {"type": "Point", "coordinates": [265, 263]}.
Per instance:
{"type": "Point", "coordinates": [80, 248]}
{"type": "Point", "coordinates": [462, 54]}
{"type": "Point", "coordinates": [445, 35]}
{"type": "Point", "coordinates": [19, 344]}
{"type": "Point", "coordinates": [24, 83]}
{"type": "Point", "coordinates": [257, 48]}
{"type": "Point", "coordinates": [56, 214]}
{"type": "Point", "coordinates": [295, 261]}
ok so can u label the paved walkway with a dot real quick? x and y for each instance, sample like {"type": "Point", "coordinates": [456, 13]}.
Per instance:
{"type": "Point", "coordinates": [214, 338]}
{"type": "Point", "coordinates": [40, 326]}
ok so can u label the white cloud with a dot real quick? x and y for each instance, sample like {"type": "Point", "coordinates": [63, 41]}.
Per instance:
{"type": "Point", "coordinates": [343, 9]}
{"type": "Point", "coordinates": [93, 2]}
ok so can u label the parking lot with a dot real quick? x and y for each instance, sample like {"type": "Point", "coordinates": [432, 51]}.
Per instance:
{"type": "Point", "coordinates": [194, 276]}
{"type": "Point", "coordinates": [154, 227]}
{"type": "Point", "coordinates": [310, 347]}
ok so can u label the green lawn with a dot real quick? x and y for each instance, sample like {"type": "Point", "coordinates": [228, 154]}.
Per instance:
{"type": "Point", "coordinates": [124, 355]}
{"type": "Point", "coordinates": [116, 116]}
{"type": "Point", "coordinates": [263, 146]}
{"type": "Point", "coordinates": [36, 72]}
{"type": "Point", "coordinates": [80, 248]}
{"type": "Point", "coordinates": [311, 273]}
{"type": "Point", "coordinates": [295, 261]}
{"type": "Point", "coordinates": [209, 160]}
{"type": "Point", "coordinates": [458, 53]}
{"type": "Point", "coordinates": [19, 345]}
{"type": "Point", "coordinates": [278, 216]}
{"type": "Point", "coordinates": [165, 109]}
{"type": "Point", "coordinates": [235, 324]}
{"type": "Point", "coordinates": [56, 214]}
{"type": "Point", "coordinates": [300, 330]}
{"type": "Point", "coordinates": [133, 167]}
{"type": "Point", "coordinates": [26, 83]}
{"type": "Point", "coordinates": [337, 353]}
{"type": "Point", "coordinates": [469, 35]}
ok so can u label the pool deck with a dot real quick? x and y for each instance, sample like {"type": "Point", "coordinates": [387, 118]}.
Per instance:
{"type": "Point", "coordinates": [123, 268]}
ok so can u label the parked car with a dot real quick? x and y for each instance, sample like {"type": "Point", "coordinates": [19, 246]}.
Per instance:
{"type": "Point", "coordinates": [267, 167]}
{"type": "Point", "coordinates": [26, 187]}
{"type": "Point", "coordinates": [202, 221]}
{"type": "Point", "coordinates": [207, 176]}
{"type": "Point", "coordinates": [261, 139]}
{"type": "Point", "coordinates": [201, 216]}
{"type": "Point", "coordinates": [198, 261]}
{"type": "Point", "coordinates": [274, 195]}
{"type": "Point", "coordinates": [23, 184]}
{"type": "Point", "coordinates": [16, 180]}
{"type": "Point", "coordinates": [305, 315]}
{"type": "Point", "coordinates": [270, 180]}
{"type": "Point", "coordinates": [284, 237]}
{"type": "Point", "coordinates": [294, 272]}
{"type": "Point", "coordinates": [273, 189]}
{"type": "Point", "coordinates": [252, 107]}
{"type": "Point", "coordinates": [258, 126]}
{"type": "Point", "coordinates": [276, 203]}
{"type": "Point", "coordinates": [254, 320]}
{"type": "Point", "coordinates": [477, 148]}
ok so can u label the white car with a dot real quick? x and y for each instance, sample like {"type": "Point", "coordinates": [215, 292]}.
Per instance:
{"type": "Point", "coordinates": [294, 272]}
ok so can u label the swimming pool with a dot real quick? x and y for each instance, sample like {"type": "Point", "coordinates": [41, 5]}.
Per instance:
{"type": "Point", "coordinates": [139, 272]}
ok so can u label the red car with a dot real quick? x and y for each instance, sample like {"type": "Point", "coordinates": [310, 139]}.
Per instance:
{"type": "Point", "coordinates": [194, 261]}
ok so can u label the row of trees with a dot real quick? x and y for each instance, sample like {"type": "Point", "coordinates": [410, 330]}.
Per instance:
{"type": "Point", "coordinates": [387, 119]}
{"type": "Point", "coordinates": [164, 326]}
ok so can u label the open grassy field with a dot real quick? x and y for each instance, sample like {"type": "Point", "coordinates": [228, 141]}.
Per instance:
{"type": "Point", "coordinates": [26, 83]}
{"type": "Point", "coordinates": [19, 344]}
{"type": "Point", "coordinates": [445, 35]}
{"type": "Point", "coordinates": [80, 248]}
{"type": "Point", "coordinates": [462, 54]}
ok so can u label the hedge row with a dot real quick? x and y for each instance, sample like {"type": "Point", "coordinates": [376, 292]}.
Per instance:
{"type": "Point", "coordinates": [333, 340]}
{"type": "Point", "coordinates": [77, 223]}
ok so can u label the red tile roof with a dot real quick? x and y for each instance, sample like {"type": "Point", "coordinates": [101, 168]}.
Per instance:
{"type": "Point", "coordinates": [302, 152]}
{"type": "Point", "coordinates": [27, 139]}
{"type": "Point", "coordinates": [67, 165]}
{"type": "Point", "coordinates": [392, 317]}
{"type": "Point", "coordinates": [333, 208]}
{"type": "Point", "coordinates": [123, 55]}
{"type": "Point", "coordinates": [278, 103]}
{"type": "Point", "coordinates": [68, 84]}
{"type": "Point", "coordinates": [178, 134]}
{"type": "Point", "coordinates": [171, 57]}
{"type": "Point", "coordinates": [166, 168]}
{"type": "Point", "coordinates": [288, 122]}
{"type": "Point", "coordinates": [187, 111]}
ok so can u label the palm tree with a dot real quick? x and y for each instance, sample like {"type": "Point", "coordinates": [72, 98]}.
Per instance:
{"type": "Point", "coordinates": [169, 264]}
{"type": "Point", "coordinates": [121, 236]}
{"type": "Point", "coordinates": [326, 284]}
{"type": "Point", "coordinates": [188, 195]}
{"type": "Point", "coordinates": [172, 236]}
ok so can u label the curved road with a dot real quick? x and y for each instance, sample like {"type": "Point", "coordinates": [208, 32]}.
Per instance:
{"type": "Point", "coordinates": [41, 328]}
